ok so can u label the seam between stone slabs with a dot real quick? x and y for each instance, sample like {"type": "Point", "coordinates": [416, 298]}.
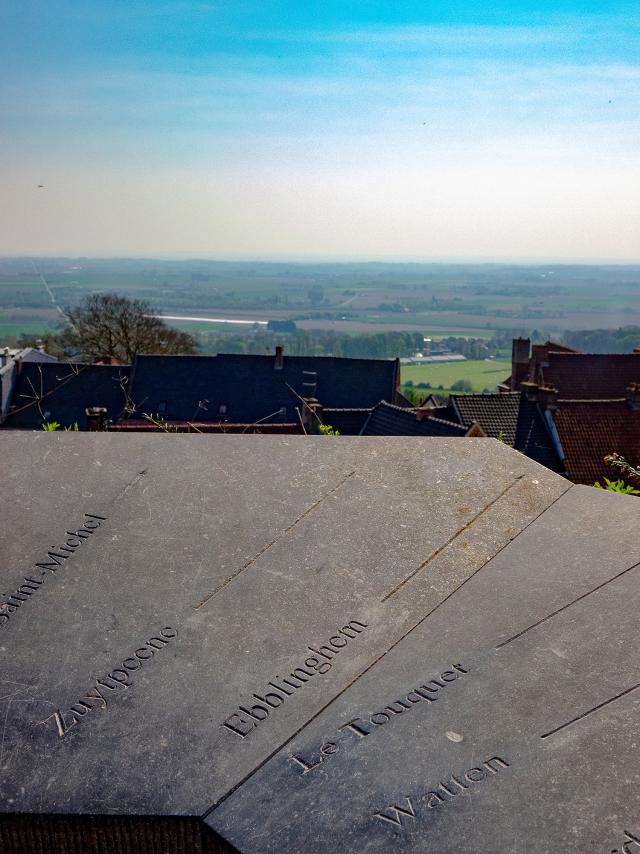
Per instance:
{"type": "Point", "coordinates": [568, 605]}
{"type": "Point", "coordinates": [591, 711]}
{"type": "Point", "coordinates": [282, 534]}
{"type": "Point", "coordinates": [451, 539]}
{"type": "Point", "coordinates": [310, 720]}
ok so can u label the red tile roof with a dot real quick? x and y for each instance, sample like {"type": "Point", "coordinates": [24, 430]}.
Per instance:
{"type": "Point", "coordinates": [591, 429]}
{"type": "Point", "coordinates": [588, 376]}
{"type": "Point", "coordinates": [540, 352]}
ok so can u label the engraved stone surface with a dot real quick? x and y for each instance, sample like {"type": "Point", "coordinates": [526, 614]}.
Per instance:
{"type": "Point", "coordinates": [297, 638]}
{"type": "Point", "coordinates": [507, 721]}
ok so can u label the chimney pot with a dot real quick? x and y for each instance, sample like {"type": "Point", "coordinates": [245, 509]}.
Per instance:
{"type": "Point", "coordinates": [548, 397]}
{"type": "Point", "coordinates": [310, 414]}
{"type": "Point", "coordinates": [278, 363]}
{"type": "Point", "coordinates": [520, 356]}
{"type": "Point", "coordinates": [96, 418]}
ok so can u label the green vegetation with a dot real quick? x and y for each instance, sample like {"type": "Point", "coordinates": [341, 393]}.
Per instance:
{"type": "Point", "coordinates": [109, 326]}
{"type": "Point", "coordinates": [622, 340]}
{"type": "Point", "coordinates": [474, 374]}
{"type": "Point", "coordinates": [617, 486]}
{"type": "Point", "coordinates": [52, 426]}
{"type": "Point", "coordinates": [327, 430]}
{"type": "Point", "coordinates": [616, 461]}
{"type": "Point", "coordinates": [317, 342]}
{"type": "Point", "coordinates": [14, 327]}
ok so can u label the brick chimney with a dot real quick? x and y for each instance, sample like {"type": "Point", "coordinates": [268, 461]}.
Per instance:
{"type": "Point", "coordinates": [520, 355]}
{"type": "Point", "coordinates": [96, 418]}
{"type": "Point", "coordinates": [278, 362]}
{"type": "Point", "coordinates": [311, 415]}
{"type": "Point", "coordinates": [633, 396]}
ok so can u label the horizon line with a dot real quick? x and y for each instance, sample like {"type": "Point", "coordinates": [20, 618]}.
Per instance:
{"type": "Point", "coordinates": [336, 259]}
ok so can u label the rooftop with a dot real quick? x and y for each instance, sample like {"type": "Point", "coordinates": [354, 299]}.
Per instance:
{"type": "Point", "coordinates": [591, 429]}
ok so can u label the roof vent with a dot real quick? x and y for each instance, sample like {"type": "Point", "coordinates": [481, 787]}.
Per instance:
{"type": "Point", "coordinates": [278, 362]}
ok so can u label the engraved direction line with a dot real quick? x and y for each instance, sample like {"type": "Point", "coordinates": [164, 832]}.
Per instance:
{"type": "Point", "coordinates": [568, 605]}
{"type": "Point", "coordinates": [591, 711]}
{"type": "Point", "coordinates": [265, 548]}
{"type": "Point", "coordinates": [451, 539]}
{"type": "Point", "coordinates": [358, 676]}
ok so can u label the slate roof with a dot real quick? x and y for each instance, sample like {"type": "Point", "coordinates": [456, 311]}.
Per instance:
{"type": "Point", "coordinates": [348, 422]}
{"type": "Point", "coordinates": [389, 420]}
{"type": "Point", "coordinates": [513, 417]}
{"type": "Point", "coordinates": [10, 360]}
{"type": "Point", "coordinates": [245, 389]}
{"type": "Point", "coordinates": [496, 413]}
{"type": "Point", "coordinates": [29, 354]}
{"type": "Point", "coordinates": [591, 429]}
{"type": "Point", "coordinates": [61, 391]}
{"type": "Point", "coordinates": [590, 376]}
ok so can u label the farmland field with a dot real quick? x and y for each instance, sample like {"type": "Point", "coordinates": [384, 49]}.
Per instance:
{"type": "Point", "coordinates": [481, 373]}
{"type": "Point", "coordinates": [434, 296]}
{"type": "Point", "coordinates": [16, 321]}
{"type": "Point", "coordinates": [435, 300]}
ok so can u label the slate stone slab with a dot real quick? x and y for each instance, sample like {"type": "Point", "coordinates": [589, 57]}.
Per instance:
{"type": "Point", "coordinates": [179, 607]}
{"type": "Point", "coordinates": [506, 721]}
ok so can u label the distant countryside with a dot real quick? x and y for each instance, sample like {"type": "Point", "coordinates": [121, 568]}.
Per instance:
{"type": "Point", "coordinates": [472, 375]}
{"type": "Point", "coordinates": [376, 310]}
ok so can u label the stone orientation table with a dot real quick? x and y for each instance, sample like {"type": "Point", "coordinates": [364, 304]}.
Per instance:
{"type": "Point", "coordinates": [287, 644]}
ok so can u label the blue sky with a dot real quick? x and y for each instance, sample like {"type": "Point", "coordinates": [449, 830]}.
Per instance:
{"type": "Point", "coordinates": [414, 130]}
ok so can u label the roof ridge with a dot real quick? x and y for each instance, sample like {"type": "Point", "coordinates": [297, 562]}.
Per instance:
{"type": "Point", "coordinates": [563, 353]}
{"type": "Point", "coordinates": [592, 400]}
{"type": "Point", "coordinates": [486, 394]}
{"type": "Point", "coordinates": [395, 406]}
{"type": "Point", "coordinates": [461, 427]}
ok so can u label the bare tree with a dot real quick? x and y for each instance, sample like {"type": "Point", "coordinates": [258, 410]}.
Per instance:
{"type": "Point", "coordinates": [112, 326]}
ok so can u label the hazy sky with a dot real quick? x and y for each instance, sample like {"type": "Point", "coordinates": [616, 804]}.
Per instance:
{"type": "Point", "coordinates": [401, 129]}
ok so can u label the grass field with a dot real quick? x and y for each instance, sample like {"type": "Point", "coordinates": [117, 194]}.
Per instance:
{"type": "Point", "coordinates": [480, 373]}
{"type": "Point", "coordinates": [10, 327]}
